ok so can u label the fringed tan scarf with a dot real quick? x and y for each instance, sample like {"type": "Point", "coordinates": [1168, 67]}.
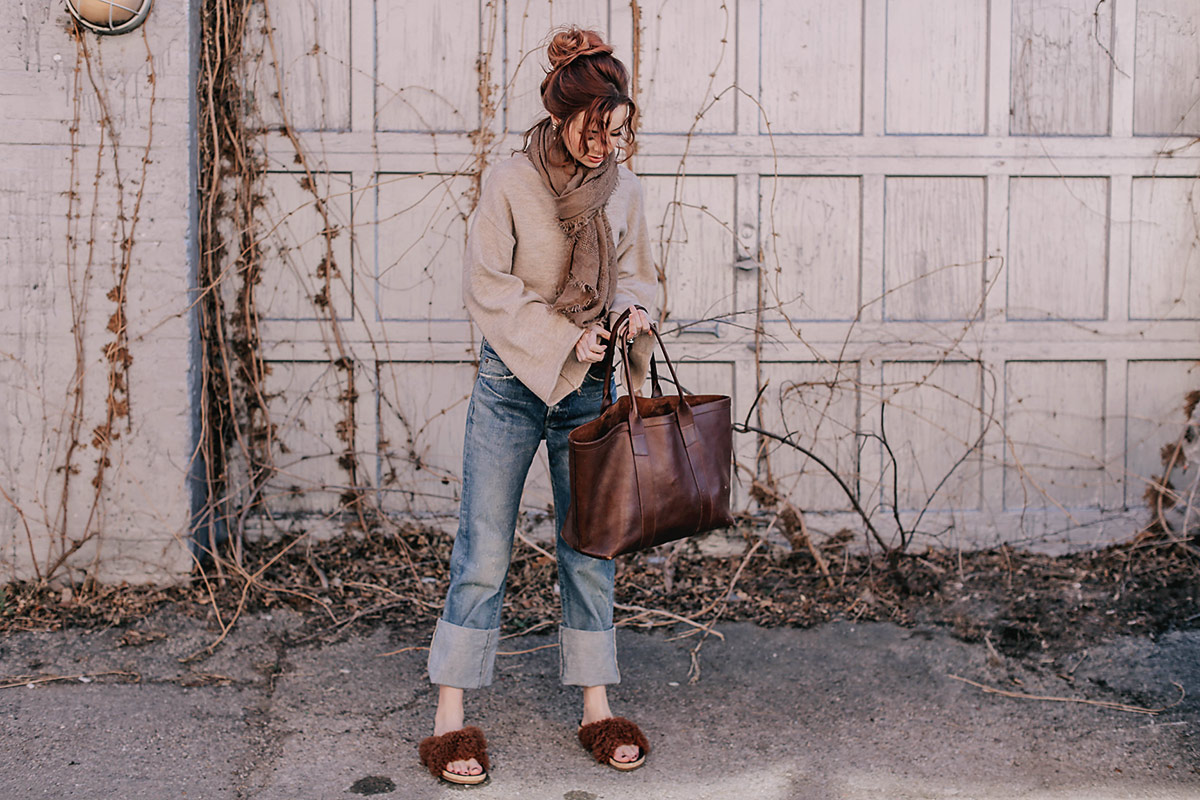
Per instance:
{"type": "Point", "coordinates": [587, 289]}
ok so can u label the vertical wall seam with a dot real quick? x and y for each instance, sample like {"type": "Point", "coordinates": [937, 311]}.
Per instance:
{"type": "Point", "coordinates": [198, 522]}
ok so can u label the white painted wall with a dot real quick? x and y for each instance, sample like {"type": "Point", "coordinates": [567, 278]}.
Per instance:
{"type": "Point", "coordinates": [58, 272]}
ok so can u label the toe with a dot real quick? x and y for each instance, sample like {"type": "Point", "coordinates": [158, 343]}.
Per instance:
{"type": "Point", "coordinates": [465, 767]}
{"type": "Point", "coordinates": [626, 753]}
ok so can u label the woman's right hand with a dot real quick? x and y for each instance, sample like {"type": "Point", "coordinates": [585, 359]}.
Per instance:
{"type": "Point", "coordinates": [590, 347]}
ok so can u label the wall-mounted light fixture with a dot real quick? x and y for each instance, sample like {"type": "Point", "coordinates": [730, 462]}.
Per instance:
{"type": "Point", "coordinates": [110, 16]}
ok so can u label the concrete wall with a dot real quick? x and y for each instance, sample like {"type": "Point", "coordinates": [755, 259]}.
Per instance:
{"type": "Point", "coordinates": [94, 335]}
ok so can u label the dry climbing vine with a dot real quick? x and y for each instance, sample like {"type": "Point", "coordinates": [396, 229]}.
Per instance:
{"type": "Point", "coordinates": [68, 531]}
{"type": "Point", "coordinates": [232, 406]}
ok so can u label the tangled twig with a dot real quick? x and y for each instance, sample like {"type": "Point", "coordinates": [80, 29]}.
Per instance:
{"type": "Point", "coordinates": [1109, 704]}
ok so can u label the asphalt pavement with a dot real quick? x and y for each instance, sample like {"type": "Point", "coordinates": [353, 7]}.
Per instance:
{"type": "Point", "coordinates": [842, 711]}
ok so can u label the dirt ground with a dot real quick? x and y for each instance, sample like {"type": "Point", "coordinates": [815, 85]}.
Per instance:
{"type": "Point", "coordinates": [1020, 604]}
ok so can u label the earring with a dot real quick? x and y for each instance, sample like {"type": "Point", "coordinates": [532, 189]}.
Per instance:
{"type": "Point", "coordinates": [553, 125]}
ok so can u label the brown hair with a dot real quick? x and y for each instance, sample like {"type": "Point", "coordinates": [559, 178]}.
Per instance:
{"type": "Point", "coordinates": [584, 78]}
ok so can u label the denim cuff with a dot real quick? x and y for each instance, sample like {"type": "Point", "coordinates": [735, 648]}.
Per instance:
{"type": "Point", "coordinates": [464, 658]}
{"type": "Point", "coordinates": [588, 658]}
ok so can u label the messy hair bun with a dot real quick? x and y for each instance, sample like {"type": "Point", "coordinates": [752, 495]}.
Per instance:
{"type": "Point", "coordinates": [585, 78]}
{"type": "Point", "coordinates": [568, 44]}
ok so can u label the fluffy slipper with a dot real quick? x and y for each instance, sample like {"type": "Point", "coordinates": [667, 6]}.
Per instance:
{"type": "Point", "coordinates": [461, 745]}
{"type": "Point", "coordinates": [604, 737]}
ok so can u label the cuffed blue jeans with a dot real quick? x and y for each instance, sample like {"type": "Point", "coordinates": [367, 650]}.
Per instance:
{"type": "Point", "coordinates": [505, 424]}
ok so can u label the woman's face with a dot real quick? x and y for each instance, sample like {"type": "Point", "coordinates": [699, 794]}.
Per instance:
{"type": "Point", "coordinates": [596, 144]}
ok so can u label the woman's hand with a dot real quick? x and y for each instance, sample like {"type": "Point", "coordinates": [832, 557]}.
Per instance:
{"type": "Point", "coordinates": [637, 324]}
{"type": "Point", "coordinates": [590, 347]}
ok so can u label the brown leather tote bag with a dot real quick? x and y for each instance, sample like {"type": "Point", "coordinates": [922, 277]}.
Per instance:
{"type": "Point", "coordinates": [648, 470]}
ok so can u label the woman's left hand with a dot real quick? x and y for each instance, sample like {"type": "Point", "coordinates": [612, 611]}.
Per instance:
{"type": "Point", "coordinates": [634, 326]}
{"type": "Point", "coordinates": [637, 324]}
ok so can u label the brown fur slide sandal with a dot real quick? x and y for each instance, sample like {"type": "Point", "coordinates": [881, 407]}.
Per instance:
{"type": "Point", "coordinates": [602, 739]}
{"type": "Point", "coordinates": [461, 745]}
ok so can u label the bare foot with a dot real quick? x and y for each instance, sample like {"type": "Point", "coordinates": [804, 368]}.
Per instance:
{"type": "Point", "coordinates": [626, 753]}
{"type": "Point", "coordinates": [468, 767]}
{"type": "Point", "coordinates": [595, 708]}
{"type": "Point", "coordinates": [449, 718]}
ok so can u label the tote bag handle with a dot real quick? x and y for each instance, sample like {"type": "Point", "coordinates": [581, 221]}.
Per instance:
{"type": "Point", "coordinates": [610, 350]}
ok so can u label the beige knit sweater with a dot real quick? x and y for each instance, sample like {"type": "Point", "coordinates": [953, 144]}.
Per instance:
{"type": "Point", "coordinates": [514, 263]}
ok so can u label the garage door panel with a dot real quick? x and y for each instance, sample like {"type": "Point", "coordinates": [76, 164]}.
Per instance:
{"type": "Point", "coordinates": [422, 417]}
{"type": "Point", "coordinates": [308, 437]}
{"type": "Point", "coordinates": [1165, 258]}
{"type": "Point", "coordinates": [312, 41]}
{"type": "Point", "coordinates": [937, 66]}
{"type": "Point", "coordinates": [934, 248]}
{"type": "Point", "coordinates": [817, 404]}
{"type": "Point", "coordinates": [1061, 67]}
{"type": "Point", "coordinates": [1157, 391]}
{"type": "Point", "coordinates": [811, 64]}
{"type": "Point", "coordinates": [1054, 426]}
{"type": "Point", "coordinates": [421, 232]}
{"type": "Point", "coordinates": [691, 222]}
{"type": "Point", "coordinates": [1058, 248]}
{"type": "Point", "coordinates": [697, 377]}
{"type": "Point", "coordinates": [812, 267]}
{"type": "Point", "coordinates": [934, 421]}
{"type": "Point", "coordinates": [1166, 69]}
{"type": "Point", "coordinates": [683, 44]}
{"type": "Point", "coordinates": [430, 82]}
{"type": "Point", "coordinates": [306, 273]}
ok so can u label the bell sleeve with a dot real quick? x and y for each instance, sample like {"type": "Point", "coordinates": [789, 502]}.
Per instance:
{"type": "Point", "coordinates": [532, 338]}
{"type": "Point", "coordinates": [637, 279]}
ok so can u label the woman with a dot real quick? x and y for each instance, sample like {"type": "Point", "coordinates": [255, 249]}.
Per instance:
{"type": "Point", "coordinates": [558, 247]}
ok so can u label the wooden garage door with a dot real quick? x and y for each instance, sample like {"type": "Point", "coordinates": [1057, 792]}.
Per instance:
{"type": "Point", "coordinates": [956, 242]}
